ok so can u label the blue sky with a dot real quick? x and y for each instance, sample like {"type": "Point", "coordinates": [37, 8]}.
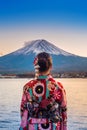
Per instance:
{"type": "Point", "coordinates": [62, 22]}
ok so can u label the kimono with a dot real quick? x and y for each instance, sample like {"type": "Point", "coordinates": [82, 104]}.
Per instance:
{"type": "Point", "coordinates": [43, 105]}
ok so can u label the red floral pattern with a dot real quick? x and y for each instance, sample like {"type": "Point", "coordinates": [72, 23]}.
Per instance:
{"type": "Point", "coordinates": [57, 95]}
{"type": "Point", "coordinates": [30, 99]}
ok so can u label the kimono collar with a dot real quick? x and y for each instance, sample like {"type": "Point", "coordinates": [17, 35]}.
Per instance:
{"type": "Point", "coordinates": [44, 76]}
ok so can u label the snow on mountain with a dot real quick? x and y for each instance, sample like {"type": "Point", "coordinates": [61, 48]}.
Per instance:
{"type": "Point", "coordinates": [38, 46]}
{"type": "Point", "coordinates": [21, 61]}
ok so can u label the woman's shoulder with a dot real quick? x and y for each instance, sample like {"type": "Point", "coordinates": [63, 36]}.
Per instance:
{"type": "Point", "coordinates": [56, 82]}
{"type": "Point", "coordinates": [60, 85]}
{"type": "Point", "coordinates": [30, 84]}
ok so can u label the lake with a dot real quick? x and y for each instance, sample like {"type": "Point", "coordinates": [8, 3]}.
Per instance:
{"type": "Point", "coordinates": [10, 98]}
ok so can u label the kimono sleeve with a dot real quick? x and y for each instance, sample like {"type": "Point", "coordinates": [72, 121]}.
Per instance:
{"type": "Point", "coordinates": [23, 108]}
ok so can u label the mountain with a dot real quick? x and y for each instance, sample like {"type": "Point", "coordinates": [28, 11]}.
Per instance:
{"type": "Point", "coordinates": [38, 46]}
{"type": "Point", "coordinates": [21, 60]}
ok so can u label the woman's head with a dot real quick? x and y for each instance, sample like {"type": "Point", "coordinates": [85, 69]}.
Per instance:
{"type": "Point", "coordinates": [44, 62]}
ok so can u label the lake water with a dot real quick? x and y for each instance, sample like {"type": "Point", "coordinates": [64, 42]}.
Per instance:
{"type": "Point", "coordinates": [10, 98]}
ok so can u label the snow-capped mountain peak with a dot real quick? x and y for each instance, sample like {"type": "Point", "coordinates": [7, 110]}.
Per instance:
{"type": "Point", "coordinates": [41, 45]}
{"type": "Point", "coordinates": [21, 61]}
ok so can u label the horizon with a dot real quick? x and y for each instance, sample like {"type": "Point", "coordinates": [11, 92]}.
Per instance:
{"type": "Point", "coordinates": [63, 23]}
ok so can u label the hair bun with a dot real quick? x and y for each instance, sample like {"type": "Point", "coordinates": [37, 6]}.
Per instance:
{"type": "Point", "coordinates": [43, 63]}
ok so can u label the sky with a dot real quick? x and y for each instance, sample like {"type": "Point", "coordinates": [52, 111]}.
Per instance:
{"type": "Point", "coordinates": [61, 22]}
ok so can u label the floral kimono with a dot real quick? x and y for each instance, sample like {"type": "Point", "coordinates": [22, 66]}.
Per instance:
{"type": "Point", "coordinates": [43, 105]}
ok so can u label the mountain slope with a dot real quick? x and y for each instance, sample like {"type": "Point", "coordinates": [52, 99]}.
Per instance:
{"type": "Point", "coordinates": [21, 60]}
{"type": "Point", "coordinates": [38, 46]}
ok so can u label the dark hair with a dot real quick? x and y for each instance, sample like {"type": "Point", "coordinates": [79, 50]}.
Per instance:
{"type": "Point", "coordinates": [44, 61]}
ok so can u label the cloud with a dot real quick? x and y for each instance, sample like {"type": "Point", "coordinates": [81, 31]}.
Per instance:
{"type": "Point", "coordinates": [1, 53]}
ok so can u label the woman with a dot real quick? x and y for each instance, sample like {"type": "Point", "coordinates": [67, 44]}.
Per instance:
{"type": "Point", "coordinates": [43, 105]}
